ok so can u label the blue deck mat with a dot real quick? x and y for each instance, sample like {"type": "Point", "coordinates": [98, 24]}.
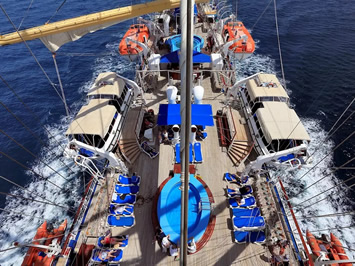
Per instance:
{"type": "Point", "coordinates": [242, 212]}
{"type": "Point", "coordinates": [126, 189]}
{"type": "Point", "coordinates": [128, 211]}
{"type": "Point", "coordinates": [124, 180]}
{"type": "Point", "coordinates": [248, 202]}
{"type": "Point", "coordinates": [128, 199]}
{"type": "Point", "coordinates": [198, 153]}
{"type": "Point", "coordinates": [121, 221]}
{"type": "Point", "coordinates": [249, 222]}
{"type": "Point", "coordinates": [249, 237]}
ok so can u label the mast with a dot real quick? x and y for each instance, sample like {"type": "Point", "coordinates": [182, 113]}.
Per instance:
{"type": "Point", "coordinates": [186, 24]}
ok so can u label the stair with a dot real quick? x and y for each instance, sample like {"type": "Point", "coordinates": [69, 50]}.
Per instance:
{"type": "Point", "coordinates": [129, 149]}
{"type": "Point", "coordinates": [238, 151]}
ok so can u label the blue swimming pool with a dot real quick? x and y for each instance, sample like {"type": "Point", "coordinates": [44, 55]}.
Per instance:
{"type": "Point", "coordinates": [175, 43]}
{"type": "Point", "coordinates": [169, 208]}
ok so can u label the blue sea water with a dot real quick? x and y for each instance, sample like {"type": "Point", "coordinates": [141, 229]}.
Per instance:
{"type": "Point", "coordinates": [318, 56]}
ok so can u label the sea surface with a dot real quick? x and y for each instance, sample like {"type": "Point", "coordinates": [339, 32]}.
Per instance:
{"type": "Point", "coordinates": [318, 55]}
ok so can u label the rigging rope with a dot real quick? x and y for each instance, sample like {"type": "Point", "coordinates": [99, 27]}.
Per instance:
{"type": "Point", "coordinates": [30, 50]}
{"type": "Point", "coordinates": [342, 115]}
{"type": "Point", "coordinates": [279, 45]}
{"type": "Point", "coordinates": [27, 128]}
{"type": "Point", "coordinates": [57, 205]}
{"type": "Point", "coordinates": [20, 145]}
{"type": "Point", "coordinates": [341, 183]}
{"type": "Point", "coordinates": [327, 215]}
{"type": "Point", "coordinates": [38, 120]}
{"type": "Point", "coordinates": [332, 172]}
{"type": "Point", "coordinates": [55, 13]}
{"type": "Point", "coordinates": [336, 147]}
{"type": "Point", "coordinates": [262, 14]}
{"type": "Point", "coordinates": [25, 167]}
{"type": "Point", "coordinates": [31, 192]}
{"type": "Point", "coordinates": [26, 13]}
{"type": "Point", "coordinates": [21, 213]}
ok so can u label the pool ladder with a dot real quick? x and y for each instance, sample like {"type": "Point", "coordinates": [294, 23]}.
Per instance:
{"type": "Point", "coordinates": [204, 204]}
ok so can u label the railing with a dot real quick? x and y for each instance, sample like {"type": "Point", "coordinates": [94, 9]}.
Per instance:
{"type": "Point", "coordinates": [86, 162]}
{"type": "Point", "coordinates": [74, 231]}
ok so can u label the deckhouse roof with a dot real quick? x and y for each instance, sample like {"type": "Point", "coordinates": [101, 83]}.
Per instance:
{"type": "Point", "coordinates": [94, 118]}
{"type": "Point", "coordinates": [265, 85]}
{"type": "Point", "coordinates": [278, 121]}
{"type": "Point", "coordinates": [107, 83]}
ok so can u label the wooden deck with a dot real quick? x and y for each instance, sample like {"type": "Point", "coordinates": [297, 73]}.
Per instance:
{"type": "Point", "coordinates": [142, 248]}
{"type": "Point", "coordinates": [220, 249]}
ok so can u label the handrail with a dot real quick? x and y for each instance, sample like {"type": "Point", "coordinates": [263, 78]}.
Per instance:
{"type": "Point", "coordinates": [247, 155]}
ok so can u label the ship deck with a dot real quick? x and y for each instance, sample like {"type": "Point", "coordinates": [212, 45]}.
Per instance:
{"type": "Point", "coordinates": [142, 248]}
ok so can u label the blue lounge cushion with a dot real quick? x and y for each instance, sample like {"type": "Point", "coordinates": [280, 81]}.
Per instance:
{"type": "Point", "coordinates": [96, 253]}
{"type": "Point", "coordinates": [177, 153]}
{"type": "Point", "coordinates": [198, 153]}
{"type": "Point", "coordinates": [249, 237]}
{"type": "Point", "coordinates": [242, 212]}
{"type": "Point", "coordinates": [121, 221]}
{"type": "Point", "coordinates": [128, 209]}
{"type": "Point", "coordinates": [118, 198]}
{"type": "Point", "coordinates": [233, 178]}
{"type": "Point", "coordinates": [126, 189]}
{"type": "Point", "coordinates": [125, 180]}
{"type": "Point", "coordinates": [246, 203]}
{"type": "Point", "coordinates": [190, 153]}
{"type": "Point", "coordinates": [249, 222]}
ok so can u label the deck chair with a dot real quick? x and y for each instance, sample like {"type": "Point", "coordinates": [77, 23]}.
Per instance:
{"type": "Point", "coordinates": [198, 153]}
{"type": "Point", "coordinates": [177, 153]}
{"type": "Point", "coordinates": [126, 189]}
{"type": "Point", "coordinates": [242, 212]}
{"type": "Point", "coordinates": [129, 181]}
{"type": "Point", "coordinates": [249, 223]}
{"type": "Point", "coordinates": [128, 210]}
{"type": "Point", "coordinates": [249, 203]}
{"type": "Point", "coordinates": [242, 237]}
{"type": "Point", "coordinates": [96, 252]}
{"type": "Point", "coordinates": [235, 179]}
{"type": "Point", "coordinates": [124, 241]}
{"type": "Point", "coordinates": [116, 198]}
{"type": "Point", "coordinates": [120, 221]}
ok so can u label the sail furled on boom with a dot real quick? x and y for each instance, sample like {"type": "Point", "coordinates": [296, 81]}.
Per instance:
{"type": "Point", "coordinates": [56, 34]}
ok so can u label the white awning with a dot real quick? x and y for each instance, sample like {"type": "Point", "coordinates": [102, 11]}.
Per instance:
{"type": "Point", "coordinates": [278, 121]}
{"type": "Point", "coordinates": [93, 119]}
{"type": "Point", "coordinates": [265, 85]}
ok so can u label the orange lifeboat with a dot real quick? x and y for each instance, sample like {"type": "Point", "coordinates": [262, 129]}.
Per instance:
{"type": "Point", "coordinates": [136, 32]}
{"type": "Point", "coordinates": [37, 256]}
{"type": "Point", "coordinates": [245, 46]}
{"type": "Point", "coordinates": [336, 244]}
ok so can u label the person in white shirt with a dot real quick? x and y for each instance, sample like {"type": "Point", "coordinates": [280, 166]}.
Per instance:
{"type": "Point", "coordinates": [174, 252]}
{"type": "Point", "coordinates": [191, 246]}
{"type": "Point", "coordinates": [165, 243]}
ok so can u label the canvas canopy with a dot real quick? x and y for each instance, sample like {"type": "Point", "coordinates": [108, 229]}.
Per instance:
{"type": "Point", "coordinates": [201, 114]}
{"type": "Point", "coordinates": [107, 83]}
{"type": "Point", "coordinates": [267, 85]}
{"type": "Point", "coordinates": [278, 121]}
{"type": "Point", "coordinates": [93, 119]}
